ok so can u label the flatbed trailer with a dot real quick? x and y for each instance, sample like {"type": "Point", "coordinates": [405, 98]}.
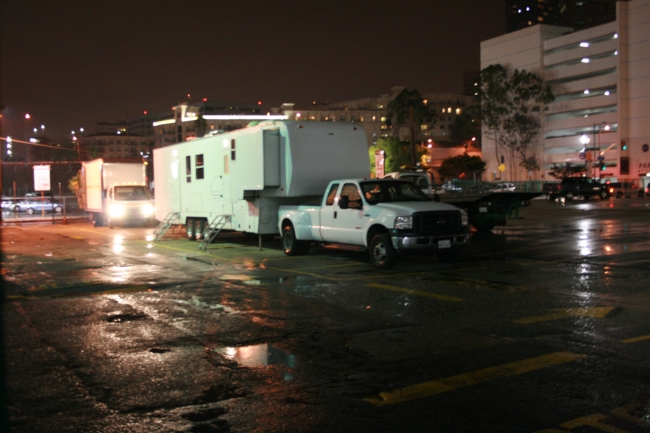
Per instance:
{"type": "Point", "coordinates": [488, 210]}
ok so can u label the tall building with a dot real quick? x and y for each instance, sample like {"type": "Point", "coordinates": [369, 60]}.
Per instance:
{"type": "Point", "coordinates": [599, 76]}
{"type": "Point", "coordinates": [525, 13]}
{"type": "Point", "coordinates": [576, 14]}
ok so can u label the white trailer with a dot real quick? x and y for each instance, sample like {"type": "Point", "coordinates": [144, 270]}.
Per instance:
{"type": "Point", "coordinates": [115, 191]}
{"type": "Point", "coordinates": [238, 179]}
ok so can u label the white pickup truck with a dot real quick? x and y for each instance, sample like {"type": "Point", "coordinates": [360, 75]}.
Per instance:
{"type": "Point", "coordinates": [384, 215]}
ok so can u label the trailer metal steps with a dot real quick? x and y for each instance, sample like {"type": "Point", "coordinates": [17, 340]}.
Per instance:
{"type": "Point", "coordinates": [213, 230]}
{"type": "Point", "coordinates": [164, 225]}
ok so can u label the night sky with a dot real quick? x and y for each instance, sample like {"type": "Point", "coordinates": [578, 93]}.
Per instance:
{"type": "Point", "coordinates": [71, 63]}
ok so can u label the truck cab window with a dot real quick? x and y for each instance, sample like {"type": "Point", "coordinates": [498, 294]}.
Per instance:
{"type": "Point", "coordinates": [188, 168]}
{"type": "Point", "coordinates": [332, 195]}
{"type": "Point", "coordinates": [350, 190]}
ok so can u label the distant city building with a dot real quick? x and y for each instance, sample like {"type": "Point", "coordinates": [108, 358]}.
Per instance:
{"type": "Point", "coordinates": [111, 127]}
{"type": "Point", "coordinates": [600, 118]}
{"type": "Point", "coordinates": [472, 83]}
{"type": "Point", "coordinates": [370, 113]}
{"type": "Point", "coordinates": [115, 145]}
{"type": "Point", "coordinates": [183, 124]}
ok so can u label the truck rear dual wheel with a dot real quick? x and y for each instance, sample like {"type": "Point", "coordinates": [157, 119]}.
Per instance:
{"type": "Point", "coordinates": [291, 245]}
{"type": "Point", "coordinates": [382, 253]}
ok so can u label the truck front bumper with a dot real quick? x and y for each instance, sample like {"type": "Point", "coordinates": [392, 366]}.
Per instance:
{"type": "Point", "coordinates": [414, 242]}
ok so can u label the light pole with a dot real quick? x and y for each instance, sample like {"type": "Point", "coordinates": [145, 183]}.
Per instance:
{"type": "Point", "coordinates": [594, 134]}
{"type": "Point", "coordinates": [585, 142]}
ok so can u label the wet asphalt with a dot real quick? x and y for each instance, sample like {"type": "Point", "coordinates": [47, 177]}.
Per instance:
{"type": "Point", "coordinates": [540, 326]}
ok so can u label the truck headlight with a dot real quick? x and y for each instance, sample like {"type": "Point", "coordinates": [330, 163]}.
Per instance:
{"type": "Point", "coordinates": [464, 219]}
{"type": "Point", "coordinates": [404, 222]}
{"type": "Point", "coordinates": [116, 210]}
{"type": "Point", "coordinates": [148, 210]}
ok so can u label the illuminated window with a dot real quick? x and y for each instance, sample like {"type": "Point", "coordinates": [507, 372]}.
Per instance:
{"type": "Point", "coordinates": [198, 162]}
{"type": "Point", "coordinates": [458, 111]}
{"type": "Point", "coordinates": [449, 110]}
{"type": "Point", "coordinates": [424, 127]}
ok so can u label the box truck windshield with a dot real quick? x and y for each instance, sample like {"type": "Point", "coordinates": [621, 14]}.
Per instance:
{"type": "Point", "coordinates": [130, 193]}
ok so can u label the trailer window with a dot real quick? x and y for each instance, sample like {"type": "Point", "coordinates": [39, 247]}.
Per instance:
{"type": "Point", "coordinates": [188, 168]}
{"type": "Point", "coordinates": [198, 161]}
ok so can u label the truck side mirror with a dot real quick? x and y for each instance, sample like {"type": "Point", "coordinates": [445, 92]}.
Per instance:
{"type": "Point", "coordinates": [344, 202]}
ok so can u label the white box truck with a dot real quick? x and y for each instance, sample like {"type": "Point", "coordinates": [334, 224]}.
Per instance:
{"type": "Point", "coordinates": [115, 192]}
{"type": "Point", "coordinates": [242, 177]}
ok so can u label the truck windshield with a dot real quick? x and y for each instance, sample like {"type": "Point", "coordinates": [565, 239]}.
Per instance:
{"type": "Point", "coordinates": [388, 191]}
{"type": "Point", "coordinates": [132, 192]}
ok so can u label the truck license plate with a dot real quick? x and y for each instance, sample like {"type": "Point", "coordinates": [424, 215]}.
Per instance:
{"type": "Point", "coordinates": [444, 243]}
{"type": "Point", "coordinates": [482, 209]}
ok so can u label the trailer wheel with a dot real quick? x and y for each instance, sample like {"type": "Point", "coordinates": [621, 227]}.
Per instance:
{"type": "Point", "coordinates": [199, 226]}
{"type": "Point", "coordinates": [190, 226]}
{"type": "Point", "coordinates": [291, 245]}
{"type": "Point", "coordinates": [382, 253]}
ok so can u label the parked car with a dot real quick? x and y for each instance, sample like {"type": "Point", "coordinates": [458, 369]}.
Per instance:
{"type": "Point", "coordinates": [627, 189]}
{"type": "Point", "coordinates": [571, 187]}
{"type": "Point", "coordinates": [7, 203]}
{"type": "Point", "coordinates": [448, 188]}
{"type": "Point", "coordinates": [504, 187]}
{"type": "Point", "coordinates": [31, 206]}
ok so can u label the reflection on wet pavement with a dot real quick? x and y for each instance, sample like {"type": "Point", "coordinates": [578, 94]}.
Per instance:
{"type": "Point", "coordinates": [260, 355]}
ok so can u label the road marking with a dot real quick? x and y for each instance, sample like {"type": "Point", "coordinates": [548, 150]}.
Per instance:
{"type": "Point", "coordinates": [563, 313]}
{"type": "Point", "coordinates": [635, 339]}
{"type": "Point", "coordinates": [414, 292]}
{"type": "Point", "coordinates": [434, 387]}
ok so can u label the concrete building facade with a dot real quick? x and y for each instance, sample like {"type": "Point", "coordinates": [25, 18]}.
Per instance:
{"type": "Point", "coordinates": [600, 77]}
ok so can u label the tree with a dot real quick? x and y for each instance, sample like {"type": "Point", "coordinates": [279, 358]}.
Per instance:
{"type": "Point", "coordinates": [396, 154]}
{"type": "Point", "coordinates": [200, 125]}
{"type": "Point", "coordinates": [408, 109]}
{"type": "Point", "coordinates": [511, 108]}
{"type": "Point", "coordinates": [465, 127]}
{"type": "Point", "coordinates": [461, 166]}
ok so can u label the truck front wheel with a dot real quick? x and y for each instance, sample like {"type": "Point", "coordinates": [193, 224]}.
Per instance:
{"type": "Point", "coordinates": [382, 253]}
{"type": "Point", "coordinates": [569, 196]}
{"type": "Point", "coordinates": [293, 246]}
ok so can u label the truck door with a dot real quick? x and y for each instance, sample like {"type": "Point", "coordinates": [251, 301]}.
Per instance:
{"type": "Point", "coordinates": [346, 224]}
{"type": "Point", "coordinates": [327, 214]}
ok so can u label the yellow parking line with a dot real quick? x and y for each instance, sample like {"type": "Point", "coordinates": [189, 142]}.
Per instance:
{"type": "Point", "coordinates": [434, 387]}
{"type": "Point", "coordinates": [414, 292]}
{"type": "Point", "coordinates": [635, 339]}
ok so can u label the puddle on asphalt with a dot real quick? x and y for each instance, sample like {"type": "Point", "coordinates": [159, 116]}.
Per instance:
{"type": "Point", "coordinates": [260, 355]}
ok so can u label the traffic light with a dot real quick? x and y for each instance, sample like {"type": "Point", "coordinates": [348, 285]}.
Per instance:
{"type": "Point", "coordinates": [603, 166]}
{"type": "Point", "coordinates": [9, 152]}
{"type": "Point", "coordinates": [623, 145]}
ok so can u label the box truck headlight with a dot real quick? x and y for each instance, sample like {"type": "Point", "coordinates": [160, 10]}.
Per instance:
{"type": "Point", "coordinates": [147, 210]}
{"type": "Point", "coordinates": [464, 219]}
{"type": "Point", "coordinates": [404, 222]}
{"type": "Point", "coordinates": [116, 210]}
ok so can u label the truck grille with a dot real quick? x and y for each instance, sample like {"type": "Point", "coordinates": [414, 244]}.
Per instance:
{"type": "Point", "coordinates": [441, 223]}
